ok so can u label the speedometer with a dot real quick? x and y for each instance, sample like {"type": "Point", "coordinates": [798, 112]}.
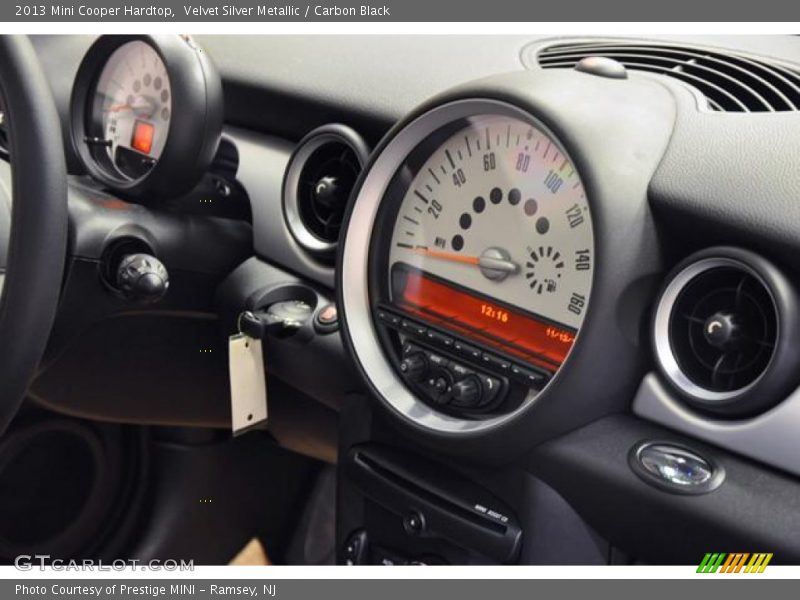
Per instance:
{"type": "Point", "coordinates": [470, 254]}
{"type": "Point", "coordinates": [494, 235]}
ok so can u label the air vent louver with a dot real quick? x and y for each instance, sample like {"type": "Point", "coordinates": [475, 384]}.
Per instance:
{"type": "Point", "coordinates": [730, 82]}
{"type": "Point", "coordinates": [723, 329]}
{"type": "Point", "coordinates": [319, 179]}
{"type": "Point", "coordinates": [726, 332]}
{"type": "Point", "coordinates": [325, 184]}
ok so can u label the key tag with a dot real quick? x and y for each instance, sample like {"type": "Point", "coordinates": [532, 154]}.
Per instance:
{"type": "Point", "coordinates": [248, 382]}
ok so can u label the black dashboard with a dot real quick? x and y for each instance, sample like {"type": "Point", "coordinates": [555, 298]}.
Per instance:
{"type": "Point", "coordinates": [562, 273]}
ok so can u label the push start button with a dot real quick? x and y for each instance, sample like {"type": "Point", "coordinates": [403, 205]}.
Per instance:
{"type": "Point", "coordinates": [327, 319]}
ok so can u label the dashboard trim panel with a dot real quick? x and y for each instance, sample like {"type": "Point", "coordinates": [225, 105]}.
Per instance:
{"type": "Point", "coordinates": [771, 437]}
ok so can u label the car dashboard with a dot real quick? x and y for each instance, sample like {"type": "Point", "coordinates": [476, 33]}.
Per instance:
{"type": "Point", "coordinates": [534, 296]}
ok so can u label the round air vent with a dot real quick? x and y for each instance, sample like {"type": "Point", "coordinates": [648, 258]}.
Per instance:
{"type": "Point", "coordinates": [726, 332]}
{"type": "Point", "coordinates": [320, 176]}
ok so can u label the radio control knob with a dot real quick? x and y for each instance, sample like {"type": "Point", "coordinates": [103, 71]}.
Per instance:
{"type": "Point", "coordinates": [440, 386]}
{"type": "Point", "coordinates": [467, 392]}
{"type": "Point", "coordinates": [414, 366]}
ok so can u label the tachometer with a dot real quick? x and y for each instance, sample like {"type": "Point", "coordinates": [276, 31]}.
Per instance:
{"type": "Point", "coordinates": [146, 113]}
{"type": "Point", "coordinates": [133, 105]}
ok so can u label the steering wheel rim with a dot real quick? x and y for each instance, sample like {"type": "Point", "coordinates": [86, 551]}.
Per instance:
{"type": "Point", "coordinates": [38, 235]}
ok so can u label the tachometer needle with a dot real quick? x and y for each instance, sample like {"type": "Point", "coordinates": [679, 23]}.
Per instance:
{"type": "Point", "coordinates": [118, 107]}
{"type": "Point", "coordinates": [143, 107]}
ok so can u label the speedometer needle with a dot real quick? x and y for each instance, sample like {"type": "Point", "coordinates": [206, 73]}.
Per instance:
{"type": "Point", "coordinates": [451, 256]}
{"type": "Point", "coordinates": [493, 259]}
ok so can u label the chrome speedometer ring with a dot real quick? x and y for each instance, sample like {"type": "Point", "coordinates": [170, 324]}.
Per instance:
{"type": "Point", "coordinates": [496, 262]}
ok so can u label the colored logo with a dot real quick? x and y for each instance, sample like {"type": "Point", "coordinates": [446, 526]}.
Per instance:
{"type": "Point", "coordinates": [736, 562]}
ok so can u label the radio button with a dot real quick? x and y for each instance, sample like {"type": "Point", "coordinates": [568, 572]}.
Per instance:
{"type": "Point", "coordinates": [437, 360]}
{"type": "Point", "coordinates": [439, 339]}
{"type": "Point", "coordinates": [491, 388]}
{"type": "Point", "coordinates": [495, 362]}
{"type": "Point", "coordinates": [467, 350]}
{"type": "Point", "coordinates": [528, 376]}
{"type": "Point", "coordinates": [459, 370]}
{"type": "Point", "coordinates": [412, 328]}
{"type": "Point", "coordinates": [389, 318]}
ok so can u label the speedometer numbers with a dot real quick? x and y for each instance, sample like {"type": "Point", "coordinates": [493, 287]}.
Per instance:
{"type": "Point", "coordinates": [499, 214]}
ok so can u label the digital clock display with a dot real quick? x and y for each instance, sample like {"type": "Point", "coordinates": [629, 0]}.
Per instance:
{"type": "Point", "coordinates": [441, 303]}
{"type": "Point", "coordinates": [498, 314]}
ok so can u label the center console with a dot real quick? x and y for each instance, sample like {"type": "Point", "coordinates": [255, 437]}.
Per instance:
{"type": "Point", "coordinates": [415, 511]}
